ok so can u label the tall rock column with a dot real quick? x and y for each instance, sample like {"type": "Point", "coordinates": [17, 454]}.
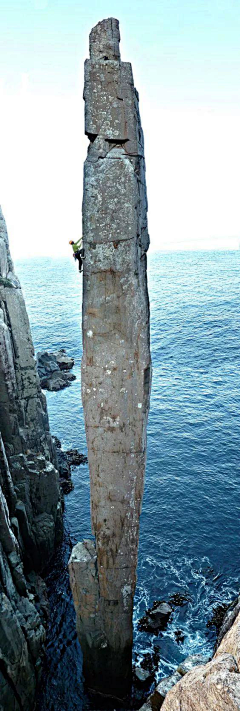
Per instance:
{"type": "Point", "coordinates": [116, 366]}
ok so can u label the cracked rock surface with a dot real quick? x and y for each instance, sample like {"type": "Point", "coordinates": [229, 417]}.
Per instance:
{"type": "Point", "coordinates": [30, 504]}
{"type": "Point", "coordinates": [116, 367]}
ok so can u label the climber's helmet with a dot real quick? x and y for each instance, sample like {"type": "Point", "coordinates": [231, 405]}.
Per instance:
{"type": "Point", "coordinates": [71, 241]}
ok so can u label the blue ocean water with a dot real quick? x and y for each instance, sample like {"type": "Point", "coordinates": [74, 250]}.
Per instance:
{"type": "Point", "coordinates": [189, 532]}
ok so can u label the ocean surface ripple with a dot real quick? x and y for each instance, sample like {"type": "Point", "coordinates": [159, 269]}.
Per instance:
{"type": "Point", "coordinates": [189, 531]}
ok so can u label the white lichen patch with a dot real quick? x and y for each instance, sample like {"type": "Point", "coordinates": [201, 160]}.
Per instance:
{"type": "Point", "coordinates": [90, 334]}
{"type": "Point", "coordinates": [110, 422]}
{"type": "Point", "coordinates": [126, 592]}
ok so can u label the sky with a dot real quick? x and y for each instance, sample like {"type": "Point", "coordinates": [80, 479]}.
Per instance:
{"type": "Point", "coordinates": [186, 65]}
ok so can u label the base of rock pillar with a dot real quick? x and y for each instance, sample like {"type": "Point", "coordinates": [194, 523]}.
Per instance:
{"type": "Point", "coordinates": [107, 673]}
{"type": "Point", "coordinates": [107, 668]}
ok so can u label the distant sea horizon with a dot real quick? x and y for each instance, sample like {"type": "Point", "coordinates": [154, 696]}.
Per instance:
{"type": "Point", "coordinates": [19, 257]}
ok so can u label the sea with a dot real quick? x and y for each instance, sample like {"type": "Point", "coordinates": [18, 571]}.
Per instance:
{"type": "Point", "coordinates": [189, 527]}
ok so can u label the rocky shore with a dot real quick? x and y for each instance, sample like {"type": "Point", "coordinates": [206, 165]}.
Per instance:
{"type": "Point", "coordinates": [200, 684]}
{"type": "Point", "coordinates": [30, 499]}
{"type": "Point", "coordinates": [66, 460]}
{"type": "Point", "coordinates": [53, 370]}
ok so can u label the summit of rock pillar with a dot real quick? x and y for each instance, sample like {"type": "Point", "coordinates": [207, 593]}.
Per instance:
{"type": "Point", "coordinates": [104, 40]}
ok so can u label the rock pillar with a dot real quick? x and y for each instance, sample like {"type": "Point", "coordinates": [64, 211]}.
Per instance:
{"type": "Point", "coordinates": [116, 367]}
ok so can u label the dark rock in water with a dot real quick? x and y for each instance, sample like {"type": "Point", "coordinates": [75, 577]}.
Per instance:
{"type": "Point", "coordinates": [63, 468]}
{"type": "Point", "coordinates": [150, 661]}
{"type": "Point", "coordinates": [63, 465]}
{"type": "Point", "coordinates": [179, 636]}
{"type": "Point", "coordinates": [66, 485]}
{"type": "Point", "coordinates": [75, 457]}
{"type": "Point", "coordinates": [143, 676]}
{"type": "Point", "coordinates": [145, 671]}
{"type": "Point", "coordinates": [50, 369]}
{"type": "Point", "coordinates": [179, 599]}
{"type": "Point", "coordinates": [57, 381]}
{"type": "Point", "coordinates": [218, 615]}
{"type": "Point", "coordinates": [156, 618]}
{"type": "Point", "coordinates": [64, 462]}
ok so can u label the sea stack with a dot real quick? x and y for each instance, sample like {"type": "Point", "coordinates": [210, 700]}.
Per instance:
{"type": "Point", "coordinates": [116, 365]}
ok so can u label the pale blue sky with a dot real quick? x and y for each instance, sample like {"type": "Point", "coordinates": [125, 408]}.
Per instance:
{"type": "Point", "coordinates": [186, 64]}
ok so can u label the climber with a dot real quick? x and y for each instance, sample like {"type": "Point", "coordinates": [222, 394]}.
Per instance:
{"type": "Point", "coordinates": [78, 252]}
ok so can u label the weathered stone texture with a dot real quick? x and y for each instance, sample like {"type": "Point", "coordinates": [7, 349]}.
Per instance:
{"type": "Point", "coordinates": [116, 369]}
{"type": "Point", "coordinates": [230, 643]}
{"type": "Point", "coordinates": [30, 504]}
{"type": "Point", "coordinates": [28, 475]}
{"type": "Point", "coordinates": [214, 686]}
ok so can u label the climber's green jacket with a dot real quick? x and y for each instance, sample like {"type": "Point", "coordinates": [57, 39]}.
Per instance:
{"type": "Point", "coordinates": [77, 245]}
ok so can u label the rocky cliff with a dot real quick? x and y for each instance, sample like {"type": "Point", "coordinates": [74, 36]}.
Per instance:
{"type": "Point", "coordinates": [30, 504]}
{"type": "Point", "coordinates": [116, 369]}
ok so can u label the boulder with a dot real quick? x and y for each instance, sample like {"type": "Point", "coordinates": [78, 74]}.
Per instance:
{"type": "Point", "coordinates": [75, 458]}
{"type": "Point", "coordinates": [142, 675]}
{"type": "Point", "coordinates": [51, 367]}
{"type": "Point", "coordinates": [179, 599]}
{"type": "Point", "coordinates": [192, 661]}
{"type": "Point", "coordinates": [166, 684]}
{"type": "Point", "coordinates": [63, 361]}
{"type": "Point", "coordinates": [156, 618]}
{"type": "Point", "coordinates": [155, 700]}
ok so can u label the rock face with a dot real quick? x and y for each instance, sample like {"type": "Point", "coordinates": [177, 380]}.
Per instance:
{"type": "Point", "coordinates": [30, 505]}
{"type": "Point", "coordinates": [116, 368]}
{"type": "Point", "coordinates": [215, 685]}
